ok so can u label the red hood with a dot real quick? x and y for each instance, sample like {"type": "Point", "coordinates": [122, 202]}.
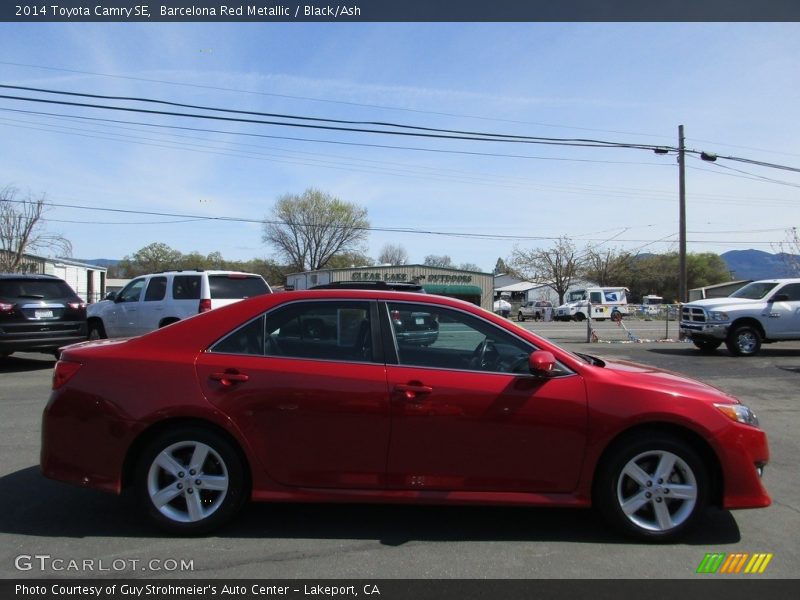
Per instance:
{"type": "Point", "coordinates": [667, 381]}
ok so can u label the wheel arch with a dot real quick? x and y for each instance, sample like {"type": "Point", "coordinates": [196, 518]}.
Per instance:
{"type": "Point", "coordinates": [752, 322]}
{"type": "Point", "coordinates": [156, 429]}
{"type": "Point", "coordinates": [167, 321]}
{"type": "Point", "coordinates": [692, 438]}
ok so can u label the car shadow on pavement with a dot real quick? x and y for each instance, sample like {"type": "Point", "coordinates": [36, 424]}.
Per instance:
{"type": "Point", "coordinates": [36, 506]}
{"type": "Point", "coordinates": [18, 364]}
{"type": "Point", "coordinates": [721, 352]}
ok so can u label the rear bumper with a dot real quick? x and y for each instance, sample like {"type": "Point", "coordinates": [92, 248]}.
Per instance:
{"type": "Point", "coordinates": [44, 341]}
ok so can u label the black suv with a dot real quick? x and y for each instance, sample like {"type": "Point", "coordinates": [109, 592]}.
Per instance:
{"type": "Point", "coordinates": [39, 313]}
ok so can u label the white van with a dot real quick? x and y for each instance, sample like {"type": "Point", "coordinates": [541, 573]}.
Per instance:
{"type": "Point", "coordinates": [606, 303]}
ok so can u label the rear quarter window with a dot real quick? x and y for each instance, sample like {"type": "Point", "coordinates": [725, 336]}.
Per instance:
{"type": "Point", "coordinates": [226, 287]}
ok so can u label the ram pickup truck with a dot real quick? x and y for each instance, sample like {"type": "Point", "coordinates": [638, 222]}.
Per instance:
{"type": "Point", "coordinates": [761, 312]}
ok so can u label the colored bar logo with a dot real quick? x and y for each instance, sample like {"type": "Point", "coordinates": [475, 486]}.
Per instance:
{"type": "Point", "coordinates": [735, 563]}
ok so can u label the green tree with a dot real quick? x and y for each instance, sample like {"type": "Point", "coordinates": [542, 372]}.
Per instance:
{"type": "Point", "coordinates": [154, 257]}
{"type": "Point", "coordinates": [309, 229]}
{"type": "Point", "coordinates": [345, 260]}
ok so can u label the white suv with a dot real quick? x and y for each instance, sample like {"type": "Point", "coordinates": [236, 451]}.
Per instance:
{"type": "Point", "coordinates": [153, 301]}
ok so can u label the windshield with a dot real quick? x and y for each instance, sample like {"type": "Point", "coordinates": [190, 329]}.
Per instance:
{"type": "Point", "coordinates": [755, 290]}
{"type": "Point", "coordinates": [576, 296]}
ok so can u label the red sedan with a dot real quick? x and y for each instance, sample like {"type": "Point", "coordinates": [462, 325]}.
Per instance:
{"type": "Point", "coordinates": [326, 395]}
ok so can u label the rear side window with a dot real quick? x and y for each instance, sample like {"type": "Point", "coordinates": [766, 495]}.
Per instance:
{"type": "Point", "coordinates": [156, 289]}
{"type": "Point", "coordinates": [35, 289]}
{"type": "Point", "coordinates": [186, 287]}
{"type": "Point", "coordinates": [228, 287]}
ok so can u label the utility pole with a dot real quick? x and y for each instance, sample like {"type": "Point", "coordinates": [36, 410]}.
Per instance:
{"type": "Point", "coordinates": [682, 278]}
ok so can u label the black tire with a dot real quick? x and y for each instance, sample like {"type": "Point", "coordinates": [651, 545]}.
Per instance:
{"type": "Point", "coordinates": [520, 317]}
{"type": "Point", "coordinates": [579, 317]}
{"type": "Point", "coordinates": [744, 340]}
{"type": "Point", "coordinates": [661, 516]}
{"type": "Point", "coordinates": [189, 508]}
{"type": "Point", "coordinates": [96, 330]}
{"type": "Point", "coordinates": [168, 321]}
{"type": "Point", "coordinates": [706, 346]}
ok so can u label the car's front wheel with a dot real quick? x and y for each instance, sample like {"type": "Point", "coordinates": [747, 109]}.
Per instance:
{"type": "Point", "coordinates": [652, 487]}
{"type": "Point", "coordinates": [745, 340]}
{"type": "Point", "coordinates": [520, 317]}
{"type": "Point", "coordinates": [190, 481]}
{"type": "Point", "coordinates": [96, 330]}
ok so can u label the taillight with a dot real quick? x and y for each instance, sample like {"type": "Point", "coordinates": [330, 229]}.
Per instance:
{"type": "Point", "coordinates": [77, 305]}
{"type": "Point", "coordinates": [64, 371]}
{"type": "Point", "coordinates": [5, 307]}
{"type": "Point", "coordinates": [205, 305]}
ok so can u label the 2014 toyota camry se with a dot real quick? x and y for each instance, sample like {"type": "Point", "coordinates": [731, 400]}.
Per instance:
{"type": "Point", "coordinates": [320, 396]}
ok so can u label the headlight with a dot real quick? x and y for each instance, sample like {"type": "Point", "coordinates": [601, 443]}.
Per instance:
{"type": "Point", "coordinates": [718, 316]}
{"type": "Point", "coordinates": [739, 413]}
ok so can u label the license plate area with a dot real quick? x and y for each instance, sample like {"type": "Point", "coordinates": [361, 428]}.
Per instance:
{"type": "Point", "coordinates": [43, 313]}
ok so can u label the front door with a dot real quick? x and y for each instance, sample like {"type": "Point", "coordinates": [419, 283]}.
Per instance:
{"type": "Point", "coordinates": [468, 415]}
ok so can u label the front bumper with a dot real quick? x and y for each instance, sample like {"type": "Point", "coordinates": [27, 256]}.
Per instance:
{"type": "Point", "coordinates": [705, 331]}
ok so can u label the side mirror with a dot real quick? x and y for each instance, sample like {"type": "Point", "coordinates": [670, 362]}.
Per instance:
{"type": "Point", "coordinates": [541, 362]}
{"type": "Point", "coordinates": [780, 298]}
{"type": "Point", "coordinates": [111, 295]}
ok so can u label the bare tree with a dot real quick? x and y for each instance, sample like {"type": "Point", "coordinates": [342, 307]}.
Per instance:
{"type": "Point", "coordinates": [435, 260]}
{"type": "Point", "coordinates": [22, 230]}
{"type": "Point", "coordinates": [556, 267]}
{"type": "Point", "coordinates": [393, 255]}
{"type": "Point", "coordinates": [309, 229]}
{"type": "Point", "coordinates": [789, 251]}
{"type": "Point", "coordinates": [607, 267]}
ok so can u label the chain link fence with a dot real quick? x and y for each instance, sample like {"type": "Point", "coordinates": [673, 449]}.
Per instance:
{"type": "Point", "coordinates": [642, 324]}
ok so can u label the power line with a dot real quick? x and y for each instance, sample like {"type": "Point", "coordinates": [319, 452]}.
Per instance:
{"type": "Point", "coordinates": [422, 132]}
{"type": "Point", "coordinates": [409, 230]}
{"type": "Point", "coordinates": [326, 100]}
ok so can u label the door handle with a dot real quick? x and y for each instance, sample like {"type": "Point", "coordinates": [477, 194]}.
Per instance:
{"type": "Point", "coordinates": [229, 377]}
{"type": "Point", "coordinates": [412, 391]}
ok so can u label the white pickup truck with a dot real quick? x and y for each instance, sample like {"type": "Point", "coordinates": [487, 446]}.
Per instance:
{"type": "Point", "coordinates": [759, 313]}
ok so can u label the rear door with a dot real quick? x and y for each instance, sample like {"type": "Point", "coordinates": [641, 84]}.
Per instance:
{"type": "Point", "coordinates": [783, 316]}
{"type": "Point", "coordinates": [306, 384]}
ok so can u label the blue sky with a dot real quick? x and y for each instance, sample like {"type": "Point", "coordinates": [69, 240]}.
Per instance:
{"type": "Point", "coordinates": [735, 87]}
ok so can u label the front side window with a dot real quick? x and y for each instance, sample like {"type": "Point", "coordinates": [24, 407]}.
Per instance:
{"type": "Point", "coordinates": [791, 290]}
{"type": "Point", "coordinates": [443, 338]}
{"type": "Point", "coordinates": [132, 292]}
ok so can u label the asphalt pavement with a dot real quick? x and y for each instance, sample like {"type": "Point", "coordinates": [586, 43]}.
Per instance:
{"type": "Point", "coordinates": [103, 536]}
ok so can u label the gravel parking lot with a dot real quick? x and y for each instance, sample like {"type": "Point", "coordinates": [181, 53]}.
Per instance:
{"type": "Point", "coordinates": [42, 517]}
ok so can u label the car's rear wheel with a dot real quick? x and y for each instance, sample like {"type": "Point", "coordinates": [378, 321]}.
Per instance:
{"type": "Point", "coordinates": [579, 317]}
{"type": "Point", "coordinates": [744, 340]}
{"type": "Point", "coordinates": [706, 345]}
{"type": "Point", "coordinates": [96, 330]}
{"type": "Point", "coordinates": [652, 487]}
{"type": "Point", "coordinates": [190, 481]}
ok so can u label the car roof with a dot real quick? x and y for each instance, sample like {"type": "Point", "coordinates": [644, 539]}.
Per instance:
{"type": "Point", "coordinates": [31, 276]}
